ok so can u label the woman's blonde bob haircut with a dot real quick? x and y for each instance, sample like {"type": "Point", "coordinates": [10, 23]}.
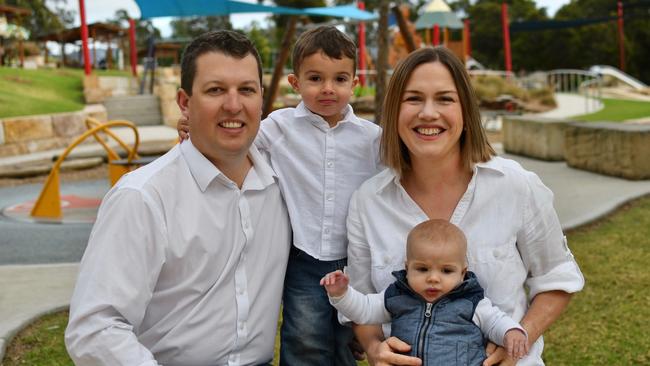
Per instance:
{"type": "Point", "coordinates": [474, 145]}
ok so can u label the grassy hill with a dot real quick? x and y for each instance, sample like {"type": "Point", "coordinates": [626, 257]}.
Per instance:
{"type": "Point", "coordinates": [27, 92]}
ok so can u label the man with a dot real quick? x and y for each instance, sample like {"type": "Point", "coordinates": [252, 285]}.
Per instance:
{"type": "Point", "coordinates": [186, 260]}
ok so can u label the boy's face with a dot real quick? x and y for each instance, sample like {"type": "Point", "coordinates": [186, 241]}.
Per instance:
{"type": "Point", "coordinates": [434, 269]}
{"type": "Point", "coordinates": [325, 85]}
{"type": "Point", "coordinates": [225, 107]}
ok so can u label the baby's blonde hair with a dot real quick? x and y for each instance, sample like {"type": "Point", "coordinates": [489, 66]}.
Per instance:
{"type": "Point", "coordinates": [436, 231]}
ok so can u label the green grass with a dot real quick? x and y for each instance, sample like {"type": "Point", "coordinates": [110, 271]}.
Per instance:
{"type": "Point", "coordinates": [605, 324]}
{"type": "Point", "coordinates": [43, 91]}
{"type": "Point", "coordinates": [617, 110]}
{"type": "Point", "coordinates": [27, 92]}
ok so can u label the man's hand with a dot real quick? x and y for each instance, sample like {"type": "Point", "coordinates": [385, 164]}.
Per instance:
{"type": "Point", "coordinates": [497, 356]}
{"type": "Point", "coordinates": [386, 353]}
{"type": "Point", "coordinates": [336, 283]}
{"type": "Point", "coordinates": [516, 343]}
{"type": "Point", "coordinates": [183, 128]}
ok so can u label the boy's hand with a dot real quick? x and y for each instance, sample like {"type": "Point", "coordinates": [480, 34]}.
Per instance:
{"type": "Point", "coordinates": [183, 128]}
{"type": "Point", "coordinates": [516, 343]}
{"type": "Point", "coordinates": [336, 283]}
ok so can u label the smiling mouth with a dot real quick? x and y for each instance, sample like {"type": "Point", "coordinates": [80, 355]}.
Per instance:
{"type": "Point", "coordinates": [231, 124]}
{"type": "Point", "coordinates": [429, 131]}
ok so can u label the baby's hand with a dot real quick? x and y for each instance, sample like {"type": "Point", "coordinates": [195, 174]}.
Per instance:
{"type": "Point", "coordinates": [336, 283]}
{"type": "Point", "coordinates": [516, 343]}
{"type": "Point", "coordinates": [183, 128]}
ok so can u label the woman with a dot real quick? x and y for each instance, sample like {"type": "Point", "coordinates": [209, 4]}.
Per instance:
{"type": "Point", "coordinates": [441, 166]}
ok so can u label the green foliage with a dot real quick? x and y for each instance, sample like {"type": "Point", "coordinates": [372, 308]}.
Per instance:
{"type": "Point", "coordinates": [616, 110]}
{"type": "Point", "coordinates": [364, 91]}
{"type": "Point", "coordinates": [27, 92]}
{"type": "Point", "coordinates": [194, 26]}
{"type": "Point", "coordinates": [143, 28]}
{"type": "Point", "coordinates": [262, 43]}
{"type": "Point", "coordinates": [490, 87]}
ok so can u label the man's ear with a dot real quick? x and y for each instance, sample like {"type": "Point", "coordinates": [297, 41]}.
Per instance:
{"type": "Point", "coordinates": [293, 80]}
{"type": "Point", "coordinates": [183, 101]}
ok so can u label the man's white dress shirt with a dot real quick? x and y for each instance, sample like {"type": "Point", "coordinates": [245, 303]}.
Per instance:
{"type": "Point", "coordinates": [182, 267]}
{"type": "Point", "coordinates": [319, 168]}
{"type": "Point", "coordinates": [515, 242]}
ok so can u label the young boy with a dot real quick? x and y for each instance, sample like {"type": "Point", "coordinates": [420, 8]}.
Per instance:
{"type": "Point", "coordinates": [436, 305]}
{"type": "Point", "coordinates": [321, 153]}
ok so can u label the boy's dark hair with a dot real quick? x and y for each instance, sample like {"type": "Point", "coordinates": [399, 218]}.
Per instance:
{"type": "Point", "coordinates": [326, 39]}
{"type": "Point", "coordinates": [228, 42]}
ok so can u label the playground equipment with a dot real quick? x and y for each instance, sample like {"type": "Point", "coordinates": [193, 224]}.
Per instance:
{"type": "Point", "coordinates": [48, 204]}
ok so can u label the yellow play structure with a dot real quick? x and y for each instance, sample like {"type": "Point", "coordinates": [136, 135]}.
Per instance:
{"type": "Point", "coordinates": [48, 204]}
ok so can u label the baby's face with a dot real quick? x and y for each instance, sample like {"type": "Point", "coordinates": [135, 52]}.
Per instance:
{"type": "Point", "coordinates": [432, 270]}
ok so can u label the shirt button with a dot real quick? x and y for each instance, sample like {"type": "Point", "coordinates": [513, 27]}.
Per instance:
{"type": "Point", "coordinates": [330, 197]}
{"type": "Point", "coordinates": [240, 291]}
{"type": "Point", "coordinates": [330, 164]}
{"type": "Point", "coordinates": [327, 230]}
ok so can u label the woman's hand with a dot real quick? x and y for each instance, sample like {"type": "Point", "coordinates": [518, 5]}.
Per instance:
{"type": "Point", "coordinates": [183, 128]}
{"type": "Point", "coordinates": [497, 356]}
{"type": "Point", "coordinates": [384, 353]}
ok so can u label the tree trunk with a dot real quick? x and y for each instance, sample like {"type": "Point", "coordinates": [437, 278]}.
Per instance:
{"type": "Point", "coordinates": [382, 59]}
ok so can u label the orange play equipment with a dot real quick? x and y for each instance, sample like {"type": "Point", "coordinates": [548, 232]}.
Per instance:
{"type": "Point", "coordinates": [48, 204]}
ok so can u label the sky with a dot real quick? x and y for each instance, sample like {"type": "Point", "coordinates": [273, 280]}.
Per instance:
{"type": "Point", "coordinates": [99, 10]}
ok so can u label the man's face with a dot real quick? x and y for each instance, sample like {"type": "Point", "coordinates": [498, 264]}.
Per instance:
{"type": "Point", "coordinates": [225, 108]}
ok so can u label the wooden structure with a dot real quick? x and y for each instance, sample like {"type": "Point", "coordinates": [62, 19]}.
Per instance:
{"type": "Point", "coordinates": [15, 15]}
{"type": "Point", "coordinates": [103, 32]}
{"type": "Point", "coordinates": [436, 16]}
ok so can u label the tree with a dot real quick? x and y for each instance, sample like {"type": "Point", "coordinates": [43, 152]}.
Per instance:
{"type": "Point", "coordinates": [143, 28]}
{"type": "Point", "coordinates": [42, 20]}
{"type": "Point", "coordinates": [195, 26]}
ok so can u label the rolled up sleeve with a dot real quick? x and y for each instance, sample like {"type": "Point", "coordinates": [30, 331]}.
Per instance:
{"type": "Point", "coordinates": [543, 246]}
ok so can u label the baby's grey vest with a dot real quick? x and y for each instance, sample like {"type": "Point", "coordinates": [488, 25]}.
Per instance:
{"type": "Point", "coordinates": [441, 333]}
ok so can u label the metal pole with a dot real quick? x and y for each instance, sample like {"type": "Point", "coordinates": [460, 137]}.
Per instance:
{"type": "Point", "coordinates": [362, 47]}
{"type": "Point", "coordinates": [133, 52]}
{"type": "Point", "coordinates": [84, 37]}
{"type": "Point", "coordinates": [621, 38]}
{"type": "Point", "coordinates": [506, 36]}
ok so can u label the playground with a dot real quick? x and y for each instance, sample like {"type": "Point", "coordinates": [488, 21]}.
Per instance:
{"type": "Point", "coordinates": [72, 123]}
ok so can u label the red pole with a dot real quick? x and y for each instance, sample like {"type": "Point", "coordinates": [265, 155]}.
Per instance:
{"type": "Point", "coordinates": [84, 37]}
{"type": "Point", "coordinates": [436, 34]}
{"type": "Point", "coordinates": [506, 36]}
{"type": "Point", "coordinates": [468, 44]}
{"type": "Point", "coordinates": [621, 38]}
{"type": "Point", "coordinates": [133, 52]}
{"type": "Point", "coordinates": [362, 47]}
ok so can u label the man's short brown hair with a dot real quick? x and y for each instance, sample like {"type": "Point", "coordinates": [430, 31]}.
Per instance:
{"type": "Point", "coordinates": [227, 42]}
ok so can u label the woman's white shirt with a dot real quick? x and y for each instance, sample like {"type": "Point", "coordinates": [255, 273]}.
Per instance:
{"type": "Point", "coordinates": [515, 243]}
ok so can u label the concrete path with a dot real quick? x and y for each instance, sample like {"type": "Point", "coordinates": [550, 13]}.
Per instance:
{"type": "Point", "coordinates": [570, 105]}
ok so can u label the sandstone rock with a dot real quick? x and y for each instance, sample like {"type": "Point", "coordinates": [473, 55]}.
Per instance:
{"type": "Point", "coordinates": [97, 111]}
{"type": "Point", "coordinates": [68, 124]}
{"type": "Point", "coordinates": [535, 137]}
{"type": "Point", "coordinates": [615, 149]}
{"type": "Point", "coordinates": [20, 129]}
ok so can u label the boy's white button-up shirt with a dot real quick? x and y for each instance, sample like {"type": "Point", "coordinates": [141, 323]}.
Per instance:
{"type": "Point", "coordinates": [515, 244]}
{"type": "Point", "coordinates": [182, 267]}
{"type": "Point", "coordinates": [319, 168]}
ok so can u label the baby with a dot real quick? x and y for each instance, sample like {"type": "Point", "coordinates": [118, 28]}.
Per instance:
{"type": "Point", "coordinates": [436, 305]}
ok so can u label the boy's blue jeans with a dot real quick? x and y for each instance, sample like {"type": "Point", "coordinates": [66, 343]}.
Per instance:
{"type": "Point", "coordinates": [311, 334]}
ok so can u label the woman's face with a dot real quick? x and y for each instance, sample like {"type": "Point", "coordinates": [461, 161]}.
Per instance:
{"type": "Point", "coordinates": [430, 120]}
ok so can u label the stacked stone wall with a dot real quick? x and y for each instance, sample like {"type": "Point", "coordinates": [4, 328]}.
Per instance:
{"type": "Point", "coordinates": [29, 134]}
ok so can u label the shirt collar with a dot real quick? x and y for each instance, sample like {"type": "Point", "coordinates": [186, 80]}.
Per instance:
{"type": "Point", "coordinates": [204, 172]}
{"type": "Point", "coordinates": [301, 111]}
{"type": "Point", "coordinates": [391, 175]}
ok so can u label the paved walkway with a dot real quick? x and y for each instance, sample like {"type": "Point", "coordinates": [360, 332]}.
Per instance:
{"type": "Point", "coordinates": [29, 291]}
